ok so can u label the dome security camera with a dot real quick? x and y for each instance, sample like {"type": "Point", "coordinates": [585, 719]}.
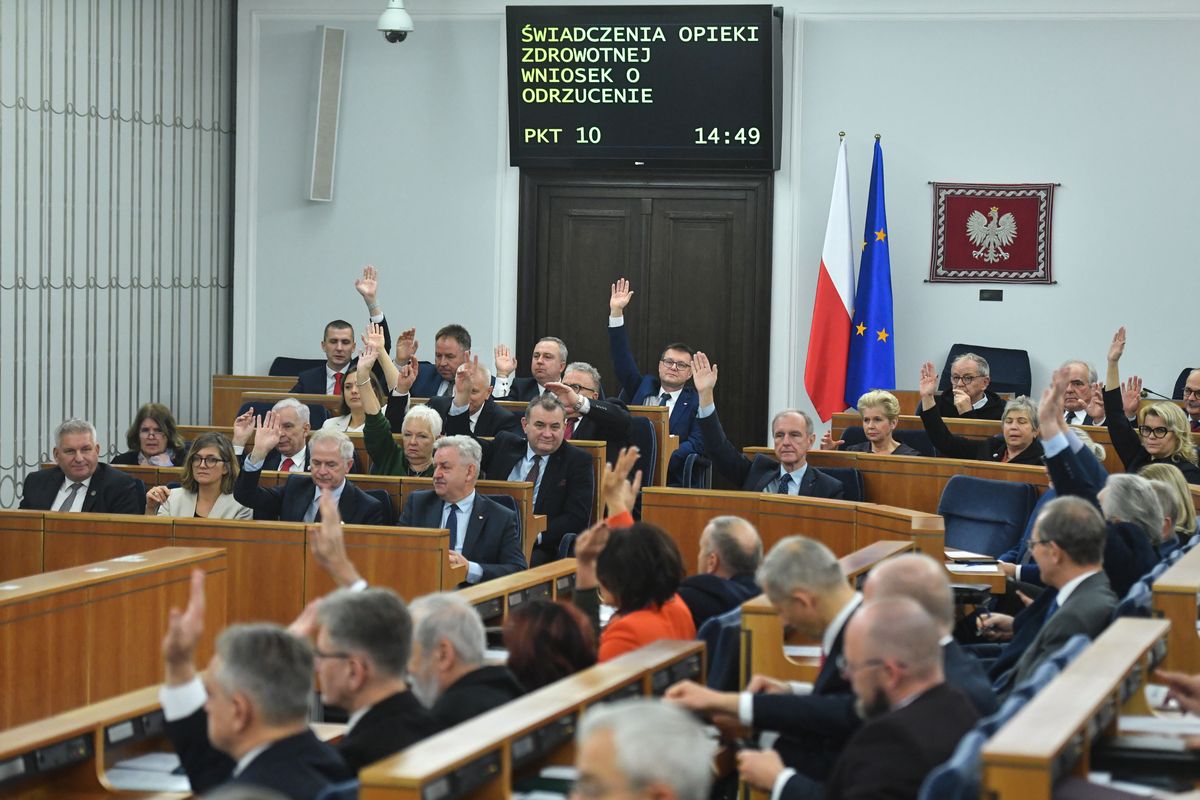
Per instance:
{"type": "Point", "coordinates": [395, 22]}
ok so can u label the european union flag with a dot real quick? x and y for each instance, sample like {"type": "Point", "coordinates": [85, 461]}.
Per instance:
{"type": "Point", "coordinates": [872, 362]}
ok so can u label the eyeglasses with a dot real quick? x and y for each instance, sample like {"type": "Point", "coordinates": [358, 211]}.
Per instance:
{"type": "Point", "coordinates": [207, 461]}
{"type": "Point", "coordinates": [848, 669]}
{"type": "Point", "coordinates": [671, 363]}
{"type": "Point", "coordinates": [1189, 392]}
{"type": "Point", "coordinates": [1153, 433]}
{"type": "Point", "coordinates": [962, 378]}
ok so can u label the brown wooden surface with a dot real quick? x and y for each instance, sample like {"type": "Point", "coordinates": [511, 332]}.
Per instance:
{"type": "Point", "coordinates": [1019, 760]}
{"type": "Point", "coordinates": [84, 634]}
{"type": "Point", "coordinates": [227, 392]}
{"type": "Point", "coordinates": [72, 539]}
{"type": "Point", "coordinates": [1175, 595]}
{"type": "Point", "coordinates": [20, 544]}
{"type": "Point", "coordinates": [406, 773]}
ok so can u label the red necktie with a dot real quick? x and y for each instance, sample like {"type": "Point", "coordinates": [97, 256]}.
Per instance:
{"type": "Point", "coordinates": [338, 379]}
{"type": "Point", "coordinates": [570, 428]}
{"type": "Point", "coordinates": [287, 464]}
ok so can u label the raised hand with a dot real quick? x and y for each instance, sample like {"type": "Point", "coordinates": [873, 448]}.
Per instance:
{"type": "Point", "coordinates": [155, 498]}
{"type": "Point", "coordinates": [1117, 348]}
{"type": "Point", "coordinates": [408, 376]}
{"type": "Point", "coordinates": [368, 284]}
{"type": "Point", "coordinates": [621, 295]}
{"type": "Point", "coordinates": [406, 346]}
{"type": "Point", "coordinates": [704, 376]}
{"type": "Point", "coordinates": [266, 436]}
{"type": "Point", "coordinates": [505, 363]}
{"type": "Point", "coordinates": [565, 394]}
{"type": "Point", "coordinates": [183, 634]}
{"type": "Point", "coordinates": [1131, 396]}
{"type": "Point", "coordinates": [243, 426]}
{"type": "Point", "coordinates": [620, 493]}
{"type": "Point", "coordinates": [828, 443]}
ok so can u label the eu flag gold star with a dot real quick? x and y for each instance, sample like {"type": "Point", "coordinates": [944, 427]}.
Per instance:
{"type": "Point", "coordinates": [880, 235]}
{"type": "Point", "coordinates": [861, 329]}
{"type": "Point", "coordinates": [883, 334]}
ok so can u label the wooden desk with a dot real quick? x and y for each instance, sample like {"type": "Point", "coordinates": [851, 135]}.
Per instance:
{"type": "Point", "coordinates": [80, 635]}
{"type": "Point", "coordinates": [1052, 735]}
{"type": "Point", "coordinates": [227, 392]}
{"type": "Point", "coordinates": [842, 526]}
{"type": "Point", "coordinates": [1175, 595]}
{"type": "Point", "coordinates": [495, 598]}
{"type": "Point", "coordinates": [667, 444]}
{"type": "Point", "coordinates": [480, 758]}
{"type": "Point", "coordinates": [762, 630]}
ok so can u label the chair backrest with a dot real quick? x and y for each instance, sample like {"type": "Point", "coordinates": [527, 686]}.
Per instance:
{"type": "Point", "coordinates": [723, 636]}
{"type": "Point", "coordinates": [510, 502]}
{"type": "Point", "coordinates": [985, 516]}
{"type": "Point", "coordinates": [389, 513]}
{"type": "Point", "coordinates": [1009, 368]}
{"type": "Point", "coordinates": [317, 413]}
{"type": "Point", "coordinates": [284, 365]}
{"type": "Point", "coordinates": [1180, 381]}
{"type": "Point", "coordinates": [643, 435]}
{"type": "Point", "coordinates": [851, 479]}
{"type": "Point", "coordinates": [346, 790]}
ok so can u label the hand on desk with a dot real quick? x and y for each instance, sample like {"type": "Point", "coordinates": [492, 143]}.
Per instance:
{"type": "Point", "coordinates": [183, 634]}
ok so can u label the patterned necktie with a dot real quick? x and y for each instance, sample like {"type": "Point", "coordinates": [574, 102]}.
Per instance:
{"type": "Point", "coordinates": [784, 484]}
{"type": "Point", "coordinates": [339, 378]}
{"type": "Point", "coordinates": [287, 464]}
{"type": "Point", "coordinates": [71, 495]}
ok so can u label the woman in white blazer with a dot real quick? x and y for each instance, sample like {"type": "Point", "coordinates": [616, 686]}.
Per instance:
{"type": "Point", "coordinates": [207, 490]}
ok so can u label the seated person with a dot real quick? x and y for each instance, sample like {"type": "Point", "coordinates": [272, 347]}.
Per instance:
{"type": "Point", "coordinates": [1185, 507]}
{"type": "Point", "coordinates": [421, 428]}
{"type": "Point", "coordinates": [1191, 399]}
{"type": "Point", "coordinates": [246, 721]}
{"type": "Point", "coordinates": [451, 349]}
{"type": "Point", "coordinates": [880, 412]}
{"type": "Point", "coordinates": [78, 481]}
{"type": "Point", "coordinates": [730, 554]}
{"type": "Point", "coordinates": [644, 744]}
{"type": "Point", "coordinates": [914, 718]}
{"type": "Point", "coordinates": [589, 417]}
{"type": "Point", "coordinates": [562, 475]}
{"type": "Point", "coordinates": [788, 473]}
{"type": "Point", "coordinates": [484, 416]}
{"type": "Point", "coordinates": [669, 388]}
{"type": "Point", "coordinates": [153, 439]}
{"type": "Point", "coordinates": [351, 417]}
{"type": "Point", "coordinates": [338, 343]}
{"type": "Point", "coordinates": [483, 533]}
{"type": "Point", "coordinates": [291, 452]}
{"type": "Point", "coordinates": [446, 669]}
{"type": "Point", "coordinates": [547, 641]}
{"type": "Point", "coordinates": [969, 396]}
{"type": "Point", "coordinates": [1017, 443]}
{"type": "Point", "coordinates": [331, 455]}
{"type": "Point", "coordinates": [1163, 433]}
{"type": "Point", "coordinates": [207, 484]}
{"type": "Point", "coordinates": [547, 365]}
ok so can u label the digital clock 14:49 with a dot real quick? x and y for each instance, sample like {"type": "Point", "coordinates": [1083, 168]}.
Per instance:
{"type": "Point", "coordinates": [718, 136]}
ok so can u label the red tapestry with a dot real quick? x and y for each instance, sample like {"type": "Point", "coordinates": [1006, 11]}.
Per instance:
{"type": "Point", "coordinates": [991, 233]}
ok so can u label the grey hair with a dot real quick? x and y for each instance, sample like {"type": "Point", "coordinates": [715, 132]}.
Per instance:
{"type": "Point", "coordinates": [807, 419]}
{"type": "Point", "coordinates": [446, 615]}
{"type": "Point", "coordinates": [901, 629]}
{"type": "Point", "coordinates": [917, 577]}
{"type": "Point", "coordinates": [302, 412]}
{"type": "Point", "coordinates": [1023, 403]}
{"type": "Point", "coordinates": [562, 346]}
{"type": "Point", "coordinates": [1131, 498]}
{"type": "Point", "coordinates": [345, 446]}
{"type": "Point", "coordinates": [798, 562]}
{"type": "Point", "coordinates": [468, 449]}
{"type": "Point", "coordinates": [374, 622]}
{"type": "Point", "coordinates": [270, 666]}
{"type": "Point", "coordinates": [1091, 444]}
{"type": "Point", "coordinates": [723, 540]}
{"type": "Point", "coordinates": [73, 425]}
{"type": "Point", "coordinates": [592, 372]}
{"type": "Point", "coordinates": [1076, 526]}
{"type": "Point", "coordinates": [424, 412]}
{"type": "Point", "coordinates": [980, 363]}
{"type": "Point", "coordinates": [1091, 371]}
{"type": "Point", "coordinates": [655, 743]}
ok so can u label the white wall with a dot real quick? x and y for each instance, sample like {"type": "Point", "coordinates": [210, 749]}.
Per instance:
{"type": "Point", "coordinates": [1091, 95]}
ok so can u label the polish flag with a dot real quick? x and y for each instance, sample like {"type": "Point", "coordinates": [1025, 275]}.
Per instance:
{"type": "Point", "coordinates": [829, 340]}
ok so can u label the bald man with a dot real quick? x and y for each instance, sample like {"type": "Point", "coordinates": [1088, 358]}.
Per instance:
{"type": "Point", "coordinates": [921, 578]}
{"type": "Point", "coordinates": [730, 552]}
{"type": "Point", "coordinates": [913, 719]}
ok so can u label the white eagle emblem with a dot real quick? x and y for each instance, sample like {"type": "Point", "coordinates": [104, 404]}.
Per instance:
{"type": "Point", "coordinates": [992, 236]}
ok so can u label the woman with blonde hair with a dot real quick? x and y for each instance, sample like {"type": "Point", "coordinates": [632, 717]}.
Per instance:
{"type": "Point", "coordinates": [880, 412]}
{"type": "Point", "coordinates": [207, 484]}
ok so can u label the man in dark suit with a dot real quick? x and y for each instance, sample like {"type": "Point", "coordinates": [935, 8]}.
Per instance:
{"type": "Point", "coordinates": [730, 552]}
{"type": "Point", "coordinates": [484, 416]}
{"type": "Point", "coordinates": [805, 582]}
{"type": "Point", "coordinates": [562, 476]}
{"type": "Point", "coordinates": [914, 717]}
{"type": "Point", "coordinates": [791, 430]}
{"type": "Point", "coordinates": [246, 721]}
{"type": "Point", "coordinates": [589, 417]}
{"type": "Point", "coordinates": [337, 343]}
{"type": "Point", "coordinates": [548, 362]}
{"type": "Point", "coordinates": [79, 482]}
{"type": "Point", "coordinates": [669, 388]}
{"type": "Point", "coordinates": [483, 533]}
{"type": "Point", "coordinates": [331, 454]}
{"type": "Point", "coordinates": [446, 667]}
{"type": "Point", "coordinates": [969, 397]}
{"type": "Point", "coordinates": [452, 348]}
{"type": "Point", "coordinates": [290, 454]}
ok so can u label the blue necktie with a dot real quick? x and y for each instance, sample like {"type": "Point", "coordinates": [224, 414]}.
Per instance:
{"type": "Point", "coordinates": [784, 483]}
{"type": "Point", "coordinates": [452, 526]}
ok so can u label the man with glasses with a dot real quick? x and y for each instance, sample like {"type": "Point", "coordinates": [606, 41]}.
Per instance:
{"type": "Point", "coordinates": [1191, 399]}
{"type": "Point", "coordinates": [969, 397]}
{"type": "Point", "coordinates": [78, 481]}
{"type": "Point", "coordinates": [669, 388]}
{"type": "Point", "coordinates": [589, 417]}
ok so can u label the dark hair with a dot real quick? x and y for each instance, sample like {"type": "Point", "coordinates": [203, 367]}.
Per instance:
{"type": "Point", "coordinates": [344, 410]}
{"type": "Point", "coordinates": [456, 332]}
{"type": "Point", "coordinates": [640, 566]}
{"type": "Point", "coordinates": [337, 323]}
{"type": "Point", "coordinates": [1076, 526]}
{"type": "Point", "coordinates": [687, 348]}
{"type": "Point", "coordinates": [547, 641]}
{"type": "Point", "coordinates": [160, 414]}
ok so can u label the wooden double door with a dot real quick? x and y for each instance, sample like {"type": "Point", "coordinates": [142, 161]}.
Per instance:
{"type": "Point", "coordinates": [696, 248]}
